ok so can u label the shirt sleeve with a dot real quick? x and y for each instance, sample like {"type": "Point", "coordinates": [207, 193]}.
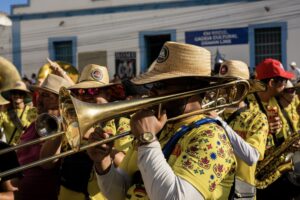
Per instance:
{"type": "Point", "coordinates": [241, 148]}
{"type": "Point", "coordinates": [114, 184]}
{"type": "Point", "coordinates": [159, 179]}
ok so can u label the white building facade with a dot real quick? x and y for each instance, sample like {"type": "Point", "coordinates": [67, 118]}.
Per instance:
{"type": "Point", "coordinates": [126, 36]}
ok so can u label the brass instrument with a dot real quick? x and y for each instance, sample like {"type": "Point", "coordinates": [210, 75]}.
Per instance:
{"type": "Point", "coordinates": [276, 163]}
{"type": "Point", "coordinates": [9, 74]}
{"type": "Point", "coordinates": [67, 67]}
{"type": "Point", "coordinates": [78, 116]}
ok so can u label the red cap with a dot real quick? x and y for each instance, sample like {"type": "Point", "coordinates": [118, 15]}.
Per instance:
{"type": "Point", "coordinates": [270, 68]}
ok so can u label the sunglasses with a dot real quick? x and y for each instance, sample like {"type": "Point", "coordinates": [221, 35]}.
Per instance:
{"type": "Point", "coordinates": [289, 90]}
{"type": "Point", "coordinates": [280, 80]}
{"type": "Point", "coordinates": [86, 92]}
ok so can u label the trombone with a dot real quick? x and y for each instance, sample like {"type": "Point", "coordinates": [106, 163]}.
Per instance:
{"type": "Point", "coordinates": [78, 116]}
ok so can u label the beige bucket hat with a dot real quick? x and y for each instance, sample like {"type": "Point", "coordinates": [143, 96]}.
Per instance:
{"type": "Point", "coordinates": [93, 76]}
{"type": "Point", "coordinates": [178, 60]}
{"type": "Point", "coordinates": [234, 68]}
{"type": "Point", "coordinates": [239, 69]}
{"type": "Point", "coordinates": [18, 85]}
{"type": "Point", "coordinates": [53, 83]}
{"type": "Point", "coordinates": [3, 101]}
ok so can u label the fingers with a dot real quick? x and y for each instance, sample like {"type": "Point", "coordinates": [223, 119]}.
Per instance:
{"type": "Point", "coordinates": [163, 118]}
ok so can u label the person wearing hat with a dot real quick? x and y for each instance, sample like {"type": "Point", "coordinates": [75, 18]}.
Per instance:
{"type": "Point", "coordinates": [200, 165]}
{"type": "Point", "coordinates": [251, 124]}
{"type": "Point", "coordinates": [295, 71]}
{"type": "Point", "coordinates": [271, 72]}
{"type": "Point", "coordinates": [3, 102]}
{"type": "Point", "coordinates": [77, 179]}
{"type": "Point", "coordinates": [39, 182]}
{"type": "Point", "coordinates": [289, 105]}
{"type": "Point", "coordinates": [15, 120]}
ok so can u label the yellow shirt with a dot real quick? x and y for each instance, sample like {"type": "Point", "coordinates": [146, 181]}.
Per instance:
{"type": "Point", "coordinates": [93, 189]}
{"type": "Point", "coordinates": [9, 126]}
{"type": "Point", "coordinates": [284, 132]}
{"type": "Point", "coordinates": [292, 113]}
{"type": "Point", "coordinates": [252, 126]}
{"type": "Point", "coordinates": [203, 156]}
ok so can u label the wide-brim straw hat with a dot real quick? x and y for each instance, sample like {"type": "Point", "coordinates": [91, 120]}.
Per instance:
{"type": "Point", "coordinates": [19, 86]}
{"type": "Point", "coordinates": [93, 76]}
{"type": "Point", "coordinates": [178, 60]}
{"type": "Point", "coordinates": [53, 83]}
{"type": "Point", "coordinates": [239, 69]}
{"type": "Point", "coordinates": [3, 101]}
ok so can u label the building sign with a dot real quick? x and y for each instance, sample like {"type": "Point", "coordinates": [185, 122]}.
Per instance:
{"type": "Point", "coordinates": [217, 37]}
{"type": "Point", "coordinates": [125, 64]}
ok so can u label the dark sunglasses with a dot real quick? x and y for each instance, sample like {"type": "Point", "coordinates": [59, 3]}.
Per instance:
{"type": "Point", "coordinates": [86, 92]}
{"type": "Point", "coordinates": [280, 80]}
{"type": "Point", "coordinates": [289, 90]}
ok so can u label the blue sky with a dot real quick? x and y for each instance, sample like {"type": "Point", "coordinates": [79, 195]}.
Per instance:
{"type": "Point", "coordinates": [5, 4]}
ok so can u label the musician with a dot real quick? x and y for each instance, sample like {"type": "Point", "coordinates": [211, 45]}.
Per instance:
{"type": "Point", "coordinates": [38, 182]}
{"type": "Point", "coordinates": [15, 120]}
{"type": "Point", "coordinates": [289, 103]}
{"type": "Point", "coordinates": [93, 87]}
{"type": "Point", "coordinates": [271, 72]}
{"type": "Point", "coordinates": [201, 165]}
{"type": "Point", "coordinates": [251, 124]}
{"type": "Point", "coordinates": [3, 102]}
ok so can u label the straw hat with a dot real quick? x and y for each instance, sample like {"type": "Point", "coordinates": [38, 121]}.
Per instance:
{"type": "Point", "coordinates": [234, 68]}
{"type": "Point", "coordinates": [20, 86]}
{"type": "Point", "coordinates": [53, 83]}
{"type": "Point", "coordinates": [3, 101]}
{"type": "Point", "coordinates": [178, 60]}
{"type": "Point", "coordinates": [93, 76]}
{"type": "Point", "coordinates": [239, 69]}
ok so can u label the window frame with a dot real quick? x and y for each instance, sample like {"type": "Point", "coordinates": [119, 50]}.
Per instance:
{"type": "Point", "coordinates": [73, 39]}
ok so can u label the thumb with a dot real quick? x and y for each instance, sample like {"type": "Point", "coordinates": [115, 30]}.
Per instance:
{"type": "Point", "coordinates": [163, 118]}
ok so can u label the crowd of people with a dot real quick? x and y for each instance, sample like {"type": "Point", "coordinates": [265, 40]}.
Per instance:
{"type": "Point", "coordinates": [177, 149]}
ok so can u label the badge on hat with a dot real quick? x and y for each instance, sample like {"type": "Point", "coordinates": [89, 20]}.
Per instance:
{"type": "Point", "coordinates": [223, 70]}
{"type": "Point", "coordinates": [97, 75]}
{"type": "Point", "coordinates": [163, 55]}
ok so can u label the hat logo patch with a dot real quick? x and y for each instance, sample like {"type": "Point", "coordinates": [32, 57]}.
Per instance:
{"type": "Point", "coordinates": [163, 55]}
{"type": "Point", "coordinates": [223, 70]}
{"type": "Point", "coordinates": [97, 75]}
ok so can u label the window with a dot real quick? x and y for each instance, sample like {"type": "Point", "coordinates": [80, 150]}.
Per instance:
{"type": "Point", "coordinates": [268, 40]}
{"type": "Point", "coordinates": [63, 49]}
{"type": "Point", "coordinates": [267, 44]}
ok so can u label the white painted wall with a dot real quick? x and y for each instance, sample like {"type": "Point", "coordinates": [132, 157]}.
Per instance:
{"type": "Point", "coordinates": [38, 6]}
{"type": "Point", "coordinates": [120, 31]}
{"type": "Point", "coordinates": [6, 42]}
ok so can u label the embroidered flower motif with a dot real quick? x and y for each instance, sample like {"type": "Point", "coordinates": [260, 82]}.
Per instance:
{"type": "Point", "coordinates": [208, 133]}
{"type": "Point", "coordinates": [187, 164]}
{"type": "Point", "coordinates": [218, 169]}
{"type": "Point", "coordinates": [204, 163]}
{"type": "Point", "coordinates": [212, 186]}
{"type": "Point", "coordinates": [221, 152]}
{"type": "Point", "coordinates": [193, 150]}
{"type": "Point", "coordinates": [209, 146]}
